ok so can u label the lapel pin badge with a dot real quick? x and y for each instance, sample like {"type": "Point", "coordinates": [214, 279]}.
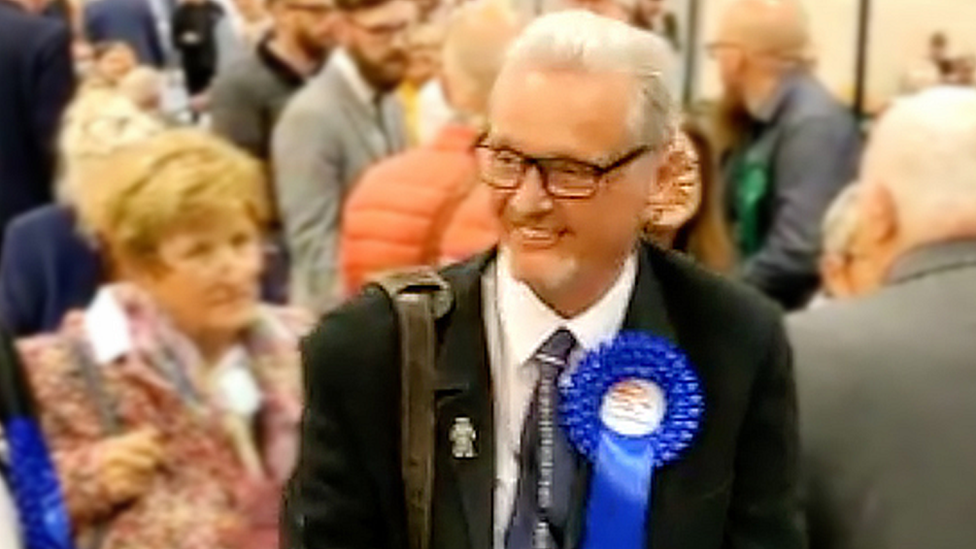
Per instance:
{"type": "Point", "coordinates": [463, 436]}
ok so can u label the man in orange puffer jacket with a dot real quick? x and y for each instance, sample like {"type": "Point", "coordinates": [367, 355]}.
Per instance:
{"type": "Point", "coordinates": [407, 208]}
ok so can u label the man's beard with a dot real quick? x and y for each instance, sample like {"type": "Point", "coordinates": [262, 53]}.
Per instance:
{"type": "Point", "coordinates": [732, 121]}
{"type": "Point", "coordinates": [314, 49]}
{"type": "Point", "coordinates": [376, 74]}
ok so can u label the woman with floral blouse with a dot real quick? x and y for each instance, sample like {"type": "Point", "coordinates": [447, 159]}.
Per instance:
{"type": "Point", "coordinates": [171, 403]}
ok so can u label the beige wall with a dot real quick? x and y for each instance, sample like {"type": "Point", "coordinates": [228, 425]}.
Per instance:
{"type": "Point", "coordinates": [899, 36]}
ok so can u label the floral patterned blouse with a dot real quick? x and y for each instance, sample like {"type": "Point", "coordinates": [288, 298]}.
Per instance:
{"type": "Point", "coordinates": [205, 496]}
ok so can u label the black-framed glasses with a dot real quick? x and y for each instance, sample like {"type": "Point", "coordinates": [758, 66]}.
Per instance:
{"type": "Point", "coordinates": [504, 168]}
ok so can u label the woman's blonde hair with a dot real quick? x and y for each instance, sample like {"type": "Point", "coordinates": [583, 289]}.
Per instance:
{"type": "Point", "coordinates": [179, 178]}
{"type": "Point", "coordinates": [143, 86]}
{"type": "Point", "coordinates": [98, 122]}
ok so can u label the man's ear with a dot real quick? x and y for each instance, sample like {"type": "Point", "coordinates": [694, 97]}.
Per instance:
{"type": "Point", "coordinates": [675, 198]}
{"type": "Point", "coordinates": [880, 214]}
{"type": "Point", "coordinates": [834, 276]}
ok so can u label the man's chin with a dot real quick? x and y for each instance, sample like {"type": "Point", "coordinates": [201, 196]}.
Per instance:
{"type": "Point", "coordinates": [543, 270]}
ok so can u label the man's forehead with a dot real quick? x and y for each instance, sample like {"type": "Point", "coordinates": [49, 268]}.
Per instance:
{"type": "Point", "coordinates": [776, 26]}
{"type": "Point", "coordinates": [552, 112]}
{"type": "Point", "coordinates": [389, 13]}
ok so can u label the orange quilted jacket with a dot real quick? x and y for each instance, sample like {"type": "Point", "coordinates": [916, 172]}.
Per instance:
{"type": "Point", "coordinates": [421, 207]}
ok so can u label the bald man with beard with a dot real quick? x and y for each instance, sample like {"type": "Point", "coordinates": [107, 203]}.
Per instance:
{"type": "Point", "coordinates": [791, 146]}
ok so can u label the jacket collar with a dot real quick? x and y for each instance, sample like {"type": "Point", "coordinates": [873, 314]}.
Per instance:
{"type": "Point", "coordinates": [932, 259]}
{"type": "Point", "coordinates": [359, 111]}
{"type": "Point", "coordinates": [277, 66]}
{"type": "Point", "coordinates": [770, 109]}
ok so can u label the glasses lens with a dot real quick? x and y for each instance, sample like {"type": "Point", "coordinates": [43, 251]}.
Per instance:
{"type": "Point", "coordinates": [570, 181]}
{"type": "Point", "coordinates": [502, 169]}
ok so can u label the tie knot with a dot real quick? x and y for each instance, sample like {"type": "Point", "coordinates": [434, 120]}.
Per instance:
{"type": "Point", "coordinates": [558, 347]}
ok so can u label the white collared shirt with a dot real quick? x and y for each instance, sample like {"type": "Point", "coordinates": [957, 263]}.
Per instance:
{"type": "Point", "coordinates": [10, 530]}
{"type": "Point", "coordinates": [518, 323]}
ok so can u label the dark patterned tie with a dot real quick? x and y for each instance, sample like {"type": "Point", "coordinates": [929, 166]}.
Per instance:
{"type": "Point", "coordinates": [547, 463]}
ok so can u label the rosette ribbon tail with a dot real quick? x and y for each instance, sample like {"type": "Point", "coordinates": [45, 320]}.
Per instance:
{"type": "Point", "coordinates": [35, 487]}
{"type": "Point", "coordinates": [620, 492]}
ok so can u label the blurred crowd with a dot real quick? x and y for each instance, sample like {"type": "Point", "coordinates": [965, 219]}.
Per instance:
{"type": "Point", "coordinates": [187, 185]}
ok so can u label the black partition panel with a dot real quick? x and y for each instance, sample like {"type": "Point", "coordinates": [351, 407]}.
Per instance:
{"type": "Point", "coordinates": [863, 43]}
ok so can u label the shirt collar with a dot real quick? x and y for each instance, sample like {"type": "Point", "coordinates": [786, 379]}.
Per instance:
{"type": "Point", "coordinates": [768, 110]}
{"type": "Point", "coordinates": [527, 322]}
{"type": "Point", "coordinates": [933, 258]}
{"type": "Point", "coordinates": [278, 67]}
{"type": "Point", "coordinates": [350, 72]}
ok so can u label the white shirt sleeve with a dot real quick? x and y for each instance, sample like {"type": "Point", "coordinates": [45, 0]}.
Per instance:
{"type": "Point", "coordinates": [9, 521]}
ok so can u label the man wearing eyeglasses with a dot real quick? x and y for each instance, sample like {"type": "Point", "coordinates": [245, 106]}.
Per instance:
{"type": "Point", "coordinates": [346, 119]}
{"type": "Point", "coordinates": [579, 118]}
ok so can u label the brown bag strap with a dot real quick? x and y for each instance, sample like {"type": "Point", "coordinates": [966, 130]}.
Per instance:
{"type": "Point", "coordinates": [420, 297]}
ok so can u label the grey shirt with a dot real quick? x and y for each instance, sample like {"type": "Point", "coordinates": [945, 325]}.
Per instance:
{"type": "Point", "coordinates": [249, 96]}
{"type": "Point", "coordinates": [332, 130]}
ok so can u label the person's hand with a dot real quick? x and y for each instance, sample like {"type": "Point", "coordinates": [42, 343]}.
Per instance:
{"type": "Point", "coordinates": [128, 463]}
{"type": "Point", "coordinates": [200, 103]}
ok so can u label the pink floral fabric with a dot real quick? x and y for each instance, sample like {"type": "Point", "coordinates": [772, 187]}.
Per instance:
{"type": "Point", "coordinates": [202, 497]}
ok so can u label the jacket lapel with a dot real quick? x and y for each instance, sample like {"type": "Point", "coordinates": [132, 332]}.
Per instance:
{"type": "Point", "coordinates": [359, 117]}
{"type": "Point", "coordinates": [464, 390]}
{"type": "Point", "coordinates": [395, 125]}
{"type": "Point", "coordinates": [647, 313]}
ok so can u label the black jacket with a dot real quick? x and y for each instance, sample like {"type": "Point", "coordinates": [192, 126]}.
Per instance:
{"type": "Point", "coordinates": [36, 83]}
{"type": "Point", "coordinates": [733, 489]}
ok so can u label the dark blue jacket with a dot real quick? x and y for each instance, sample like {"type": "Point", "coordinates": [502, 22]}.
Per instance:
{"type": "Point", "coordinates": [129, 21]}
{"type": "Point", "coordinates": [804, 148]}
{"type": "Point", "coordinates": [36, 82]}
{"type": "Point", "coordinates": [48, 268]}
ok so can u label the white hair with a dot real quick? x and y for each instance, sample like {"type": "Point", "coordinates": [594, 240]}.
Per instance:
{"type": "Point", "coordinates": [581, 40]}
{"type": "Point", "coordinates": [924, 151]}
{"type": "Point", "coordinates": [97, 123]}
{"type": "Point", "coordinates": [142, 85]}
{"type": "Point", "coordinates": [841, 221]}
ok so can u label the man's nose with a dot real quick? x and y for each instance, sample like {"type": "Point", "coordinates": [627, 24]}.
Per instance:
{"type": "Point", "coordinates": [531, 196]}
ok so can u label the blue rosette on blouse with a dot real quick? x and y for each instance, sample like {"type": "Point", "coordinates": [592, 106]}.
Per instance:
{"type": "Point", "coordinates": [33, 479]}
{"type": "Point", "coordinates": [631, 406]}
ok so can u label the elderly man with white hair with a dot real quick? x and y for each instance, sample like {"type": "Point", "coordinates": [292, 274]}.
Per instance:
{"type": "Point", "coordinates": [576, 368]}
{"type": "Point", "coordinates": [886, 379]}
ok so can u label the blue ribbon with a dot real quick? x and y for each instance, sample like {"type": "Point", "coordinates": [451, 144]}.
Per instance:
{"type": "Point", "coordinates": [619, 503]}
{"type": "Point", "coordinates": [36, 489]}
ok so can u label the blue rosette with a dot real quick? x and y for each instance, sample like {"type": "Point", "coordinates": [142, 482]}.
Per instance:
{"type": "Point", "coordinates": [632, 405]}
{"type": "Point", "coordinates": [36, 489]}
